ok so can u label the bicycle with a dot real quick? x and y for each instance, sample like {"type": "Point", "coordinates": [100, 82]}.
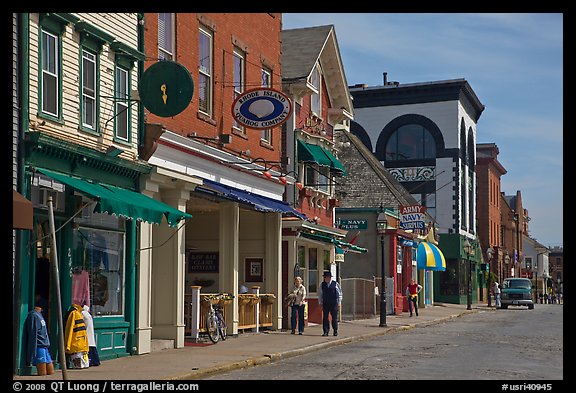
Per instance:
{"type": "Point", "coordinates": [215, 324]}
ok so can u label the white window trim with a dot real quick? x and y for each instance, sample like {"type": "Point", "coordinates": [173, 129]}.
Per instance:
{"type": "Point", "coordinates": [207, 73]}
{"type": "Point", "coordinates": [84, 93]}
{"type": "Point", "coordinates": [54, 75]}
{"type": "Point", "coordinates": [123, 103]}
{"type": "Point", "coordinates": [167, 52]}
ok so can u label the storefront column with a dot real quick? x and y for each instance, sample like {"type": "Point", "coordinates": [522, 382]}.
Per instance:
{"type": "Point", "coordinates": [229, 226]}
{"type": "Point", "coordinates": [144, 290]}
{"type": "Point", "coordinates": [168, 274]}
{"type": "Point", "coordinates": [273, 261]}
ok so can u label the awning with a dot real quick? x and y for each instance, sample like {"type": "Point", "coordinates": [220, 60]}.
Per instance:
{"type": "Point", "coordinates": [429, 257]}
{"type": "Point", "coordinates": [339, 243]}
{"type": "Point", "coordinates": [258, 202]}
{"type": "Point", "coordinates": [313, 153]}
{"type": "Point", "coordinates": [22, 211]}
{"type": "Point", "coordinates": [121, 202]}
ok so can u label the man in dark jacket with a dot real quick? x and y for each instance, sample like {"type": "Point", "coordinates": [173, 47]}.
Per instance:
{"type": "Point", "coordinates": [330, 298]}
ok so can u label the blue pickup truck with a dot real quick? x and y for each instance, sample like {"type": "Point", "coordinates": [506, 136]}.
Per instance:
{"type": "Point", "coordinates": [516, 292]}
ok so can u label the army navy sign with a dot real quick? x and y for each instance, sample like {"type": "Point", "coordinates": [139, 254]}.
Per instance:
{"type": "Point", "coordinates": [261, 108]}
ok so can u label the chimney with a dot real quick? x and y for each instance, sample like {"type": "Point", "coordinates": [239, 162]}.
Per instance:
{"type": "Point", "coordinates": [385, 75]}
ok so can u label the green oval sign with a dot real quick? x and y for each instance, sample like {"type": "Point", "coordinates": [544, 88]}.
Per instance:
{"type": "Point", "coordinates": [166, 88]}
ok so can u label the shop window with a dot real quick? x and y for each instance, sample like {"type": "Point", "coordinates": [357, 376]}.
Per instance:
{"type": "Point", "coordinates": [99, 254]}
{"type": "Point", "coordinates": [313, 270]}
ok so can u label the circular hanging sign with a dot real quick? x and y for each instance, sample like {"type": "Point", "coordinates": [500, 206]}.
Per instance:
{"type": "Point", "coordinates": [166, 88]}
{"type": "Point", "coordinates": [262, 108]}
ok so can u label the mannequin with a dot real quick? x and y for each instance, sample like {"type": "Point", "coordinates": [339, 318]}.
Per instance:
{"type": "Point", "coordinates": [38, 343]}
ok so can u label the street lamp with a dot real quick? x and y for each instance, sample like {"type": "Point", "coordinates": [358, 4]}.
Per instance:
{"type": "Point", "coordinates": [517, 257]}
{"type": "Point", "coordinates": [469, 250]}
{"type": "Point", "coordinates": [381, 224]}
{"type": "Point", "coordinates": [489, 255]}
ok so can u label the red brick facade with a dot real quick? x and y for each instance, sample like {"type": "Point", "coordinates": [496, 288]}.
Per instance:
{"type": "Point", "coordinates": [262, 48]}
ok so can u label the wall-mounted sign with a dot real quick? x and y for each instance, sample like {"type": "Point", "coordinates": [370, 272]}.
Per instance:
{"type": "Point", "coordinates": [253, 269]}
{"type": "Point", "coordinates": [166, 88]}
{"type": "Point", "coordinates": [353, 224]}
{"type": "Point", "coordinates": [202, 262]}
{"type": "Point", "coordinates": [412, 217]}
{"type": "Point", "coordinates": [261, 108]}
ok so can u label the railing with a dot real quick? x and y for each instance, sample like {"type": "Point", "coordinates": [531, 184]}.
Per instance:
{"type": "Point", "coordinates": [254, 310]}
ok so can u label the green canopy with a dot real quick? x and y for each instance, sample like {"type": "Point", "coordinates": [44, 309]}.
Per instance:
{"type": "Point", "coordinates": [121, 202]}
{"type": "Point", "coordinates": [308, 152]}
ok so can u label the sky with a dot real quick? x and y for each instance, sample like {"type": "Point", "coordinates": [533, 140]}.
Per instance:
{"type": "Point", "coordinates": [512, 61]}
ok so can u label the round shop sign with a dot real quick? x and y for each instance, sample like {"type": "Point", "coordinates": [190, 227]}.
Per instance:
{"type": "Point", "coordinates": [166, 88]}
{"type": "Point", "coordinates": [261, 108]}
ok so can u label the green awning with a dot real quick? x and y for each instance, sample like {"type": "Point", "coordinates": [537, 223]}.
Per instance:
{"type": "Point", "coordinates": [121, 202]}
{"type": "Point", "coordinates": [313, 153]}
{"type": "Point", "coordinates": [339, 243]}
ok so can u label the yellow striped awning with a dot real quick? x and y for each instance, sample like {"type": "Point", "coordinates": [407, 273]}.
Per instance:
{"type": "Point", "coordinates": [430, 257]}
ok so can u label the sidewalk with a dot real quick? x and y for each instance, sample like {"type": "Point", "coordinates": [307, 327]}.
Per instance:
{"type": "Point", "coordinates": [198, 360]}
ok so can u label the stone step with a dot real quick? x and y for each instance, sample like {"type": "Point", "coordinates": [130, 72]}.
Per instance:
{"type": "Point", "coordinates": [160, 344]}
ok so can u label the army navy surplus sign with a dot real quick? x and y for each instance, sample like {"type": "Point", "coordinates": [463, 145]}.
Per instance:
{"type": "Point", "coordinates": [261, 108]}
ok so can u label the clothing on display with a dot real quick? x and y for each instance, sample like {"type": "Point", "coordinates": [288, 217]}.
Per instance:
{"type": "Point", "coordinates": [80, 287]}
{"type": "Point", "coordinates": [37, 339]}
{"type": "Point", "coordinates": [93, 357]}
{"type": "Point", "coordinates": [76, 338]}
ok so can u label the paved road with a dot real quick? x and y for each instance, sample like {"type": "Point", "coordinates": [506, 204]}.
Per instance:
{"type": "Point", "coordinates": [513, 345]}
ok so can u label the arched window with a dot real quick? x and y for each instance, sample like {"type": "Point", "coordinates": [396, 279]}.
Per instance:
{"type": "Point", "coordinates": [410, 142]}
{"type": "Point", "coordinates": [463, 160]}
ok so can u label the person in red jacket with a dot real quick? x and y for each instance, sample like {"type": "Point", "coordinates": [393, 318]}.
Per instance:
{"type": "Point", "coordinates": [412, 291]}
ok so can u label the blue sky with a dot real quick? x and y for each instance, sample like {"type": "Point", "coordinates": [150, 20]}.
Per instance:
{"type": "Point", "coordinates": [514, 63]}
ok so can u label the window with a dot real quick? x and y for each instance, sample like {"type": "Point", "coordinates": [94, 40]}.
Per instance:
{"type": "Point", "coordinates": [326, 260]}
{"type": "Point", "coordinates": [89, 67]}
{"type": "Point", "coordinates": [238, 80]}
{"type": "Point", "coordinates": [122, 110]}
{"type": "Point", "coordinates": [98, 249]}
{"type": "Point", "coordinates": [312, 270]}
{"type": "Point", "coordinates": [315, 98]}
{"type": "Point", "coordinates": [205, 71]}
{"type": "Point", "coordinates": [266, 135]}
{"type": "Point", "coordinates": [50, 74]}
{"type": "Point", "coordinates": [411, 142]}
{"type": "Point", "coordinates": [165, 36]}
{"type": "Point", "coordinates": [317, 177]}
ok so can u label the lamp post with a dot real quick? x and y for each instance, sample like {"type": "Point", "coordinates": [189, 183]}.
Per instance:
{"type": "Point", "coordinates": [517, 221]}
{"type": "Point", "coordinates": [489, 254]}
{"type": "Point", "coordinates": [381, 224]}
{"type": "Point", "coordinates": [469, 250]}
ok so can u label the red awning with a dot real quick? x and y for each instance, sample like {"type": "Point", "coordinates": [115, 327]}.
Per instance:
{"type": "Point", "coordinates": [22, 212]}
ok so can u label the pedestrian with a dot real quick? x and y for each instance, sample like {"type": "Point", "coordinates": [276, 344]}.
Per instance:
{"type": "Point", "coordinates": [330, 298]}
{"type": "Point", "coordinates": [299, 292]}
{"type": "Point", "coordinates": [412, 291]}
{"type": "Point", "coordinates": [497, 294]}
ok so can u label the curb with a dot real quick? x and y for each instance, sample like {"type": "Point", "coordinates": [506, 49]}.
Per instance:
{"type": "Point", "coordinates": [274, 357]}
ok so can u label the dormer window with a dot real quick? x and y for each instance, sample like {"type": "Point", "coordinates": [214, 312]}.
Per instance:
{"type": "Point", "coordinates": [315, 97]}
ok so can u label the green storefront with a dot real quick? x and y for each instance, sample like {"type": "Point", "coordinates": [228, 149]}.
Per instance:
{"type": "Point", "coordinates": [451, 285]}
{"type": "Point", "coordinates": [96, 212]}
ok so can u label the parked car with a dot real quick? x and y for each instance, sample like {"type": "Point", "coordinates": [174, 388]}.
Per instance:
{"type": "Point", "coordinates": [516, 292]}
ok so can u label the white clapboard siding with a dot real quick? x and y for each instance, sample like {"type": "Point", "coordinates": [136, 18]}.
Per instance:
{"type": "Point", "coordinates": [123, 27]}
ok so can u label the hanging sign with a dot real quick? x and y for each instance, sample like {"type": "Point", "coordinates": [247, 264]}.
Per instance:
{"type": "Point", "coordinates": [261, 108]}
{"type": "Point", "coordinates": [412, 217]}
{"type": "Point", "coordinates": [166, 88]}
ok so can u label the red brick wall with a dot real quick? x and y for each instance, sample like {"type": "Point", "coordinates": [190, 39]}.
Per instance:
{"type": "Point", "coordinates": [260, 33]}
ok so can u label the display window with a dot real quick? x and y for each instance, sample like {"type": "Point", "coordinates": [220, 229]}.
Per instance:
{"type": "Point", "coordinates": [98, 271]}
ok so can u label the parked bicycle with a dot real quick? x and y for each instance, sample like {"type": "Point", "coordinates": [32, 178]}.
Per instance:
{"type": "Point", "coordinates": [215, 324]}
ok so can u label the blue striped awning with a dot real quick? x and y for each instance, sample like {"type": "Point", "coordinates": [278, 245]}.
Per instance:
{"type": "Point", "coordinates": [429, 257]}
